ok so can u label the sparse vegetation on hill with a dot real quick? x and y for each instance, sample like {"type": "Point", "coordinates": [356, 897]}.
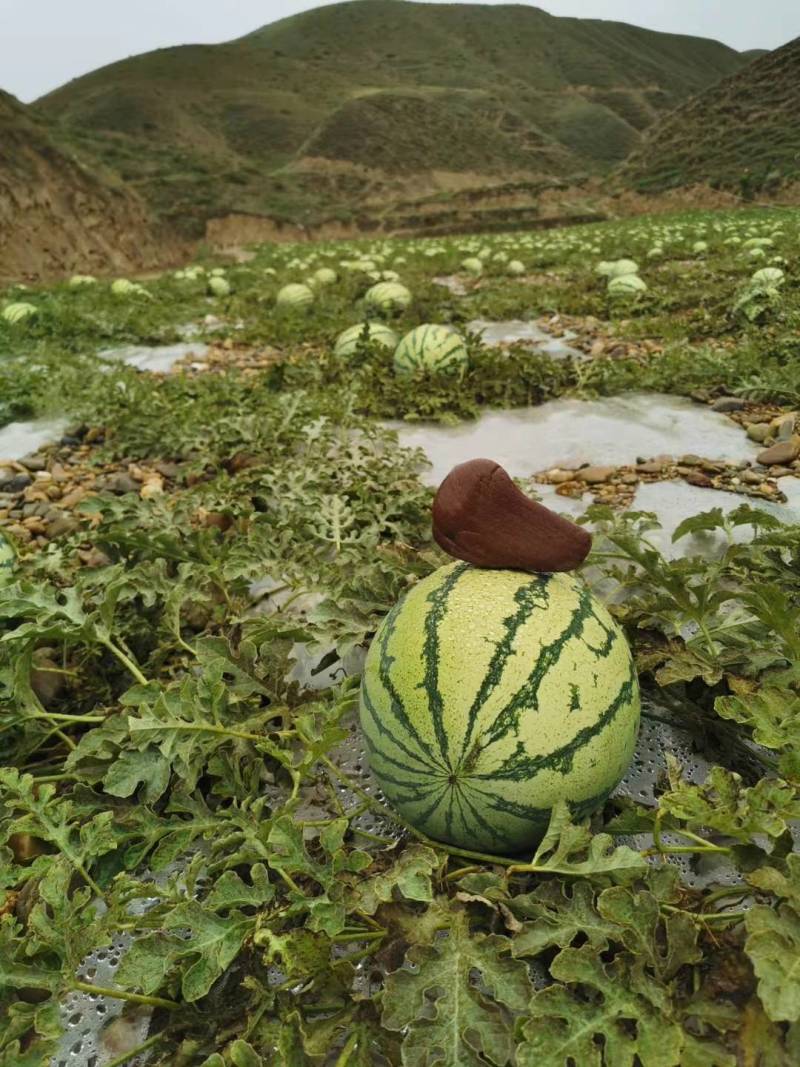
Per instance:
{"type": "Point", "coordinates": [384, 90]}
{"type": "Point", "coordinates": [742, 134]}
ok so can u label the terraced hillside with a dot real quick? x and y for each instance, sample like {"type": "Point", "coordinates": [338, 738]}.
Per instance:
{"type": "Point", "coordinates": [56, 215]}
{"type": "Point", "coordinates": [358, 104]}
{"type": "Point", "coordinates": [741, 134]}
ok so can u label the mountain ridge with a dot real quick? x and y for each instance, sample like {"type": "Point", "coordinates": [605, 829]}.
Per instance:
{"type": "Point", "coordinates": [741, 134]}
{"type": "Point", "coordinates": [344, 107]}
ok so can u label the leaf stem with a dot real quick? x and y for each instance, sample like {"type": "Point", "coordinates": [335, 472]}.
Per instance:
{"type": "Point", "coordinates": [119, 994]}
{"type": "Point", "coordinates": [126, 1057]}
{"type": "Point", "coordinates": [126, 661]}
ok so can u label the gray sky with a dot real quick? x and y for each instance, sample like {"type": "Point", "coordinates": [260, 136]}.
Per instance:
{"type": "Point", "coordinates": [44, 43]}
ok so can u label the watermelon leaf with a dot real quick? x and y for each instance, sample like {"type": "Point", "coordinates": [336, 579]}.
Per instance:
{"type": "Point", "coordinates": [773, 941]}
{"type": "Point", "coordinates": [454, 998]}
{"type": "Point", "coordinates": [574, 851]}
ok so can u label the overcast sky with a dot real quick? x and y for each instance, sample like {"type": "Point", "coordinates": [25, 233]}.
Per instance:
{"type": "Point", "coordinates": [44, 43]}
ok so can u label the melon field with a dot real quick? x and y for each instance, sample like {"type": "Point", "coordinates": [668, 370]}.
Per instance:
{"type": "Point", "coordinates": [210, 501]}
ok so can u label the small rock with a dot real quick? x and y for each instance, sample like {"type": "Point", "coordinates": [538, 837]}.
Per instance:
{"type": "Point", "coordinates": [69, 440]}
{"type": "Point", "coordinates": [690, 460]}
{"type": "Point", "coordinates": [97, 433]}
{"type": "Point", "coordinates": [630, 479]}
{"type": "Point", "coordinates": [728, 403]}
{"type": "Point", "coordinates": [72, 498]}
{"type": "Point", "coordinates": [16, 484]}
{"type": "Point", "coordinates": [781, 453]}
{"type": "Point", "coordinates": [557, 476]}
{"type": "Point", "coordinates": [169, 470]}
{"type": "Point", "coordinates": [780, 472]}
{"type": "Point", "coordinates": [758, 431]}
{"type": "Point", "coordinates": [34, 462]}
{"type": "Point", "coordinates": [699, 479]}
{"type": "Point", "coordinates": [595, 475]}
{"type": "Point", "coordinates": [61, 526]}
{"type": "Point", "coordinates": [122, 483]}
{"type": "Point", "coordinates": [151, 489]}
{"type": "Point", "coordinates": [752, 477]}
{"type": "Point", "coordinates": [652, 466]}
{"type": "Point", "coordinates": [785, 428]}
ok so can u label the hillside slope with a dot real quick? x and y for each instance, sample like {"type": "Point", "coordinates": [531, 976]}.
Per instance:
{"type": "Point", "coordinates": [371, 100]}
{"type": "Point", "coordinates": [743, 134]}
{"type": "Point", "coordinates": [56, 216]}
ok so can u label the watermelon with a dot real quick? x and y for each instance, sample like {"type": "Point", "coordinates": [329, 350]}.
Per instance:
{"type": "Point", "coordinates": [472, 265]}
{"type": "Point", "coordinates": [123, 287]}
{"type": "Point", "coordinates": [626, 285]}
{"type": "Point", "coordinates": [430, 347]}
{"type": "Point", "coordinates": [8, 559]}
{"type": "Point", "coordinates": [488, 695]}
{"type": "Point", "coordinates": [325, 276]}
{"type": "Point", "coordinates": [515, 267]}
{"type": "Point", "coordinates": [79, 281]}
{"type": "Point", "coordinates": [294, 297]}
{"type": "Point", "coordinates": [377, 333]}
{"type": "Point", "coordinates": [21, 312]}
{"type": "Point", "coordinates": [387, 298]}
{"type": "Point", "coordinates": [218, 286]}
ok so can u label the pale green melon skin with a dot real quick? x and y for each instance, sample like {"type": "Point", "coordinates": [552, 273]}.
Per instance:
{"type": "Point", "coordinates": [294, 297]}
{"type": "Point", "coordinates": [430, 347]}
{"type": "Point", "coordinates": [387, 298]}
{"type": "Point", "coordinates": [347, 342]}
{"type": "Point", "coordinates": [488, 695]}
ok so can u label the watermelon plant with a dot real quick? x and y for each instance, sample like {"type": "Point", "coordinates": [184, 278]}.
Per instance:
{"type": "Point", "coordinates": [209, 564]}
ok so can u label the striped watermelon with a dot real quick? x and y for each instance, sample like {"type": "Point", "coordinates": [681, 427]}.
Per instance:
{"type": "Point", "coordinates": [487, 695]}
{"type": "Point", "coordinates": [16, 313]}
{"type": "Point", "coordinates": [294, 297]}
{"type": "Point", "coordinates": [387, 298]}
{"type": "Point", "coordinates": [376, 333]}
{"type": "Point", "coordinates": [8, 559]}
{"type": "Point", "coordinates": [430, 347]}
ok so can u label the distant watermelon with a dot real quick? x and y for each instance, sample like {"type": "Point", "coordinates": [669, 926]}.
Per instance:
{"type": "Point", "coordinates": [123, 287]}
{"type": "Point", "coordinates": [377, 332]}
{"type": "Point", "coordinates": [515, 267]}
{"type": "Point", "coordinates": [218, 286]}
{"type": "Point", "coordinates": [387, 298]}
{"type": "Point", "coordinates": [488, 695]}
{"type": "Point", "coordinates": [80, 281]}
{"type": "Point", "coordinates": [472, 265]}
{"type": "Point", "coordinates": [8, 559]}
{"type": "Point", "coordinates": [626, 285]}
{"type": "Point", "coordinates": [430, 347]}
{"type": "Point", "coordinates": [325, 276]}
{"type": "Point", "coordinates": [14, 314]}
{"type": "Point", "coordinates": [294, 297]}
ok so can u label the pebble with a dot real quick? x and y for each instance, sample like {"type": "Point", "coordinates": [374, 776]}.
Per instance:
{"type": "Point", "coordinates": [558, 477]}
{"type": "Point", "coordinates": [652, 466]}
{"type": "Point", "coordinates": [16, 484]}
{"type": "Point", "coordinates": [64, 524]}
{"type": "Point", "coordinates": [752, 477]}
{"type": "Point", "coordinates": [778, 454]}
{"type": "Point", "coordinates": [785, 428]}
{"type": "Point", "coordinates": [728, 403]}
{"type": "Point", "coordinates": [34, 462]}
{"type": "Point", "coordinates": [758, 431]}
{"type": "Point", "coordinates": [699, 479]}
{"type": "Point", "coordinates": [595, 475]}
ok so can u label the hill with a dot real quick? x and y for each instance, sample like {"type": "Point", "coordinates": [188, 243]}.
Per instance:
{"type": "Point", "coordinates": [57, 216]}
{"type": "Point", "coordinates": [742, 134]}
{"type": "Point", "coordinates": [359, 104]}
